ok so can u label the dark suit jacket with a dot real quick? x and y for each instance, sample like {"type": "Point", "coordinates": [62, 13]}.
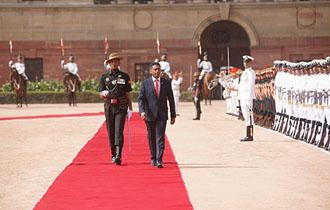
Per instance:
{"type": "Point", "coordinates": [153, 106]}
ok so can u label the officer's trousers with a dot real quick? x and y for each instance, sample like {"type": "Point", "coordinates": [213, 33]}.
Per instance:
{"type": "Point", "coordinates": [115, 121]}
{"type": "Point", "coordinates": [198, 107]}
{"type": "Point", "coordinates": [246, 106]}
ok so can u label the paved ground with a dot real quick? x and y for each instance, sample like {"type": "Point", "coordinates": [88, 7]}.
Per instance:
{"type": "Point", "coordinates": [273, 172]}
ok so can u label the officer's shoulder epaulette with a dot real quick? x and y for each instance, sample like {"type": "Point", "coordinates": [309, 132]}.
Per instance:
{"type": "Point", "coordinates": [104, 74]}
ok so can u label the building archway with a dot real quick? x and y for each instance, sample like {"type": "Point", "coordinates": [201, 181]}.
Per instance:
{"type": "Point", "coordinates": [225, 35]}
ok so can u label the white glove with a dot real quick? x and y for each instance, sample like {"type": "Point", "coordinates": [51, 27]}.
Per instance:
{"type": "Point", "coordinates": [10, 63]}
{"type": "Point", "coordinates": [105, 93]}
{"type": "Point", "coordinates": [62, 62]}
{"type": "Point", "coordinates": [129, 114]}
{"type": "Point", "coordinates": [195, 99]}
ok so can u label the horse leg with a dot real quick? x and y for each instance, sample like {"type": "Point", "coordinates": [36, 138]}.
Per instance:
{"type": "Point", "coordinates": [74, 99]}
{"type": "Point", "coordinates": [17, 101]}
{"type": "Point", "coordinates": [69, 99]}
{"type": "Point", "coordinates": [25, 98]}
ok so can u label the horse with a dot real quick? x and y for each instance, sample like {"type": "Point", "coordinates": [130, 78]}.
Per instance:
{"type": "Point", "coordinates": [71, 82]}
{"type": "Point", "coordinates": [164, 75]}
{"type": "Point", "coordinates": [210, 81]}
{"type": "Point", "coordinates": [20, 89]}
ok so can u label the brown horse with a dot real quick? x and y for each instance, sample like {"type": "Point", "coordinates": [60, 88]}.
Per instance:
{"type": "Point", "coordinates": [20, 89]}
{"type": "Point", "coordinates": [71, 86]}
{"type": "Point", "coordinates": [164, 75]}
{"type": "Point", "coordinates": [209, 82]}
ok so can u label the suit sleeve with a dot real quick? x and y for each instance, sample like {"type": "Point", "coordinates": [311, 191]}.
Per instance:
{"type": "Point", "coordinates": [171, 101]}
{"type": "Point", "coordinates": [142, 99]}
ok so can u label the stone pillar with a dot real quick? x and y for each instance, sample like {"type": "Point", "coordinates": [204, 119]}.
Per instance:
{"type": "Point", "coordinates": [160, 1]}
{"type": "Point", "coordinates": [247, 1]}
{"type": "Point", "coordinates": [201, 1]}
{"type": "Point", "coordinates": [124, 1]}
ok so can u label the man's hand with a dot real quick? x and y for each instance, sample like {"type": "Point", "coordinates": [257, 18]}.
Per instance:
{"type": "Point", "coordinates": [195, 99]}
{"type": "Point", "coordinates": [172, 121]}
{"type": "Point", "coordinates": [129, 114]}
{"type": "Point", "coordinates": [143, 116]}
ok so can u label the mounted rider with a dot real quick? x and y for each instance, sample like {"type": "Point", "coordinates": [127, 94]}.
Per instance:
{"type": "Point", "coordinates": [205, 65]}
{"type": "Point", "coordinates": [73, 70]}
{"type": "Point", "coordinates": [20, 68]}
{"type": "Point", "coordinates": [165, 66]}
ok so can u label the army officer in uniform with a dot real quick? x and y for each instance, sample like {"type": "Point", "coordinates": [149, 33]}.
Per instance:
{"type": "Point", "coordinates": [115, 87]}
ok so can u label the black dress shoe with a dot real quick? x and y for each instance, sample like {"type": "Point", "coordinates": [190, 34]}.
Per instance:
{"type": "Point", "coordinates": [247, 139]}
{"type": "Point", "coordinates": [160, 165]}
{"type": "Point", "coordinates": [196, 118]}
{"type": "Point", "coordinates": [153, 163]}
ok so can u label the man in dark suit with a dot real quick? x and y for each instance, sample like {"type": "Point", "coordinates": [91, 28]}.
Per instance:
{"type": "Point", "coordinates": [154, 93]}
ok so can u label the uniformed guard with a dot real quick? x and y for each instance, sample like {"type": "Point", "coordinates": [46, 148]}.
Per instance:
{"type": "Point", "coordinates": [176, 83]}
{"type": "Point", "coordinates": [196, 95]}
{"type": "Point", "coordinates": [72, 67]}
{"type": "Point", "coordinates": [246, 95]}
{"type": "Point", "coordinates": [115, 87]}
{"type": "Point", "coordinates": [20, 68]}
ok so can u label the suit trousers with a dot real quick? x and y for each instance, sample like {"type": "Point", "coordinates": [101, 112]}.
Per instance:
{"type": "Point", "coordinates": [115, 121]}
{"type": "Point", "coordinates": [156, 138]}
{"type": "Point", "coordinates": [246, 106]}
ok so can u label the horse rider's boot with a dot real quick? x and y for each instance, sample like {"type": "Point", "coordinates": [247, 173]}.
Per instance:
{"type": "Point", "coordinates": [118, 155]}
{"type": "Point", "coordinates": [249, 134]}
{"type": "Point", "coordinates": [113, 154]}
{"type": "Point", "coordinates": [12, 85]}
{"type": "Point", "coordinates": [79, 86]}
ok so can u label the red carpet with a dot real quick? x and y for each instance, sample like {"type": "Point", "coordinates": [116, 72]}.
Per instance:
{"type": "Point", "coordinates": [52, 116]}
{"type": "Point", "coordinates": [92, 182]}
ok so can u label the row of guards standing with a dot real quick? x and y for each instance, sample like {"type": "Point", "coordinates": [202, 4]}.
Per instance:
{"type": "Point", "coordinates": [291, 98]}
{"type": "Point", "coordinates": [302, 100]}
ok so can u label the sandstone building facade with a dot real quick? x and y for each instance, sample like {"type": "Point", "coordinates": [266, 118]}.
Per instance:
{"type": "Point", "coordinates": [267, 30]}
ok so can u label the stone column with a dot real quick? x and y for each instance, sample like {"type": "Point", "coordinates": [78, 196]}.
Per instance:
{"type": "Point", "coordinates": [160, 1]}
{"type": "Point", "coordinates": [247, 1]}
{"type": "Point", "coordinates": [200, 1]}
{"type": "Point", "coordinates": [124, 1]}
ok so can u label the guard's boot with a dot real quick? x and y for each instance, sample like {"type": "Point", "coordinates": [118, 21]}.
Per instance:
{"type": "Point", "coordinates": [326, 146]}
{"type": "Point", "coordinates": [323, 135]}
{"type": "Point", "coordinates": [249, 134]}
{"type": "Point", "coordinates": [311, 133]}
{"type": "Point", "coordinates": [113, 154]}
{"type": "Point", "coordinates": [316, 132]}
{"type": "Point", "coordinates": [275, 121]}
{"type": "Point", "coordinates": [298, 129]}
{"type": "Point", "coordinates": [118, 155]}
{"type": "Point", "coordinates": [283, 123]}
{"type": "Point", "coordinates": [306, 130]}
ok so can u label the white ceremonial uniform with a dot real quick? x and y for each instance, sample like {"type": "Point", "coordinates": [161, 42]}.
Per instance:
{"type": "Point", "coordinates": [206, 67]}
{"type": "Point", "coordinates": [164, 65]}
{"type": "Point", "coordinates": [176, 92]}
{"type": "Point", "coordinates": [234, 94]}
{"type": "Point", "coordinates": [246, 94]}
{"type": "Point", "coordinates": [72, 67]}
{"type": "Point", "coordinates": [20, 68]}
{"type": "Point", "coordinates": [226, 82]}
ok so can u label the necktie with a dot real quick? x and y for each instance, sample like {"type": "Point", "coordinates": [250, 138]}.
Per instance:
{"type": "Point", "coordinates": [156, 87]}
